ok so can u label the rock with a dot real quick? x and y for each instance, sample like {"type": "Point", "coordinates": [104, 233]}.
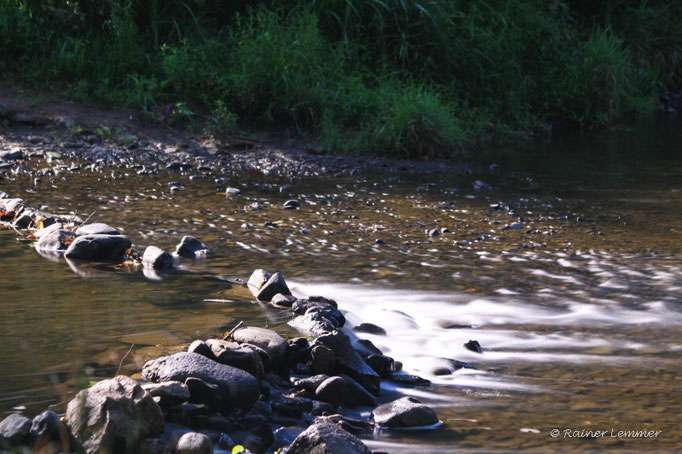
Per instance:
{"type": "Point", "coordinates": [301, 306]}
{"type": "Point", "coordinates": [23, 220]}
{"type": "Point", "coordinates": [113, 416]}
{"type": "Point", "coordinates": [312, 324]}
{"type": "Point", "coordinates": [239, 389]}
{"type": "Point", "coordinates": [264, 356]}
{"type": "Point", "coordinates": [14, 428]}
{"type": "Point", "coordinates": [323, 360]}
{"type": "Point", "coordinates": [154, 446]}
{"type": "Point", "coordinates": [408, 380]}
{"type": "Point", "coordinates": [49, 434]}
{"type": "Point", "coordinates": [98, 247]}
{"type": "Point", "coordinates": [330, 313]}
{"type": "Point", "coordinates": [381, 364]}
{"type": "Point", "coordinates": [348, 361]}
{"type": "Point", "coordinates": [191, 248]}
{"type": "Point", "coordinates": [9, 155]}
{"type": "Point", "coordinates": [169, 393]}
{"type": "Point", "coordinates": [405, 412]}
{"type": "Point", "coordinates": [326, 438]}
{"type": "Point", "coordinates": [56, 240]}
{"type": "Point", "coordinates": [369, 328]}
{"type": "Point", "coordinates": [233, 354]}
{"type": "Point", "coordinates": [332, 390]}
{"type": "Point", "coordinates": [264, 285]}
{"type": "Point", "coordinates": [357, 395]}
{"type": "Point", "coordinates": [474, 346]}
{"type": "Point", "coordinates": [10, 207]}
{"type": "Point", "coordinates": [204, 393]}
{"type": "Point", "coordinates": [200, 347]}
{"type": "Point", "coordinates": [291, 205]}
{"type": "Point", "coordinates": [283, 300]}
{"type": "Point", "coordinates": [156, 258]}
{"type": "Point", "coordinates": [268, 340]}
{"type": "Point", "coordinates": [98, 228]}
{"type": "Point", "coordinates": [194, 443]}
{"type": "Point", "coordinates": [45, 230]}
{"type": "Point", "coordinates": [309, 384]}
{"type": "Point", "coordinates": [284, 436]}
{"type": "Point", "coordinates": [231, 192]}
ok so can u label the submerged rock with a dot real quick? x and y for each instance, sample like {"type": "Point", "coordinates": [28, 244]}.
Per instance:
{"type": "Point", "coordinates": [156, 258]}
{"type": "Point", "coordinates": [239, 388]}
{"type": "Point", "coordinates": [191, 248]}
{"type": "Point", "coordinates": [405, 412]}
{"type": "Point", "coordinates": [114, 416]}
{"type": "Point", "coordinates": [98, 247]}
{"type": "Point", "coordinates": [326, 438]}
{"type": "Point", "coordinates": [98, 228]}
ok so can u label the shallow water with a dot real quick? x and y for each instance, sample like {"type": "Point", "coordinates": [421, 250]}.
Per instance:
{"type": "Point", "coordinates": [578, 310]}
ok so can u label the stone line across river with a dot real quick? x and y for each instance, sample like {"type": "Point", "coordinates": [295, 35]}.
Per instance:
{"type": "Point", "coordinates": [251, 389]}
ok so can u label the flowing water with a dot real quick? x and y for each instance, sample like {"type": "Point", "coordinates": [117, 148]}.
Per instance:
{"type": "Point", "coordinates": [569, 276]}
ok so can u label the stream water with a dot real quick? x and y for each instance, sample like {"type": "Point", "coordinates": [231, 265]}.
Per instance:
{"type": "Point", "coordinates": [569, 276]}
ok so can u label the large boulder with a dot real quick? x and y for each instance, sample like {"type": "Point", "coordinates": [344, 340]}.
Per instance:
{"type": "Point", "coordinates": [348, 361]}
{"type": "Point", "coordinates": [98, 247]}
{"type": "Point", "coordinates": [235, 355]}
{"type": "Point", "coordinates": [264, 286]}
{"type": "Point", "coordinates": [405, 412]}
{"type": "Point", "coordinates": [113, 416]}
{"type": "Point", "coordinates": [327, 438]}
{"type": "Point", "coordinates": [274, 344]}
{"type": "Point", "coordinates": [191, 248]}
{"type": "Point", "coordinates": [239, 388]}
{"type": "Point", "coordinates": [98, 228]}
{"type": "Point", "coordinates": [55, 240]}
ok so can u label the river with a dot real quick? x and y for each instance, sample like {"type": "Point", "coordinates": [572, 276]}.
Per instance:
{"type": "Point", "coordinates": [568, 273]}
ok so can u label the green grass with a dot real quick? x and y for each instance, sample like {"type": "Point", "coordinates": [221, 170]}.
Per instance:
{"type": "Point", "coordinates": [411, 78]}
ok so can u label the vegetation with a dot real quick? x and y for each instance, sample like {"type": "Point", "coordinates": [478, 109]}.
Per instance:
{"type": "Point", "coordinates": [416, 78]}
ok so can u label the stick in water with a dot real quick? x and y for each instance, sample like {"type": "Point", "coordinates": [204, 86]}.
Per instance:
{"type": "Point", "coordinates": [123, 359]}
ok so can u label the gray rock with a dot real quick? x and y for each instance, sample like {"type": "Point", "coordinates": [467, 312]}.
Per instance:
{"type": "Point", "coordinates": [191, 248]}
{"type": "Point", "coordinates": [113, 416]}
{"type": "Point", "coordinates": [405, 412]}
{"type": "Point", "coordinates": [309, 384]}
{"type": "Point", "coordinates": [283, 300]}
{"type": "Point", "coordinates": [332, 390]}
{"type": "Point", "coordinates": [154, 446]}
{"type": "Point", "coordinates": [312, 324]}
{"type": "Point", "coordinates": [323, 360]}
{"type": "Point", "coordinates": [232, 192]}
{"type": "Point", "coordinates": [45, 230]}
{"type": "Point", "coordinates": [291, 205]}
{"type": "Point", "coordinates": [302, 305]}
{"type": "Point", "coordinates": [204, 393]}
{"type": "Point", "coordinates": [284, 436]}
{"type": "Point", "coordinates": [200, 347]}
{"type": "Point", "coordinates": [23, 220]}
{"type": "Point", "coordinates": [264, 356]}
{"type": "Point", "coordinates": [98, 247]}
{"type": "Point", "coordinates": [55, 240]}
{"type": "Point", "coordinates": [98, 228]}
{"type": "Point", "coordinates": [330, 313]}
{"type": "Point", "coordinates": [268, 340]}
{"type": "Point", "coordinates": [156, 258]}
{"type": "Point", "coordinates": [348, 361]}
{"type": "Point", "coordinates": [381, 364]}
{"type": "Point", "coordinates": [233, 354]}
{"type": "Point", "coordinates": [194, 443]}
{"type": "Point", "coordinates": [369, 328]}
{"type": "Point", "coordinates": [169, 393]}
{"type": "Point", "coordinates": [357, 395]}
{"type": "Point", "coordinates": [49, 434]}
{"type": "Point", "coordinates": [14, 428]}
{"type": "Point", "coordinates": [239, 389]}
{"type": "Point", "coordinates": [264, 285]}
{"type": "Point", "coordinates": [9, 155]}
{"type": "Point", "coordinates": [326, 438]}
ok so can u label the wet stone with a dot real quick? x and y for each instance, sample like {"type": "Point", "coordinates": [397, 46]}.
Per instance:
{"type": "Point", "coordinates": [291, 205]}
{"type": "Point", "coordinates": [191, 248]}
{"type": "Point", "coordinates": [202, 392]}
{"type": "Point", "coordinates": [327, 438]}
{"type": "Point", "coordinates": [56, 240]}
{"type": "Point", "coordinates": [97, 228]}
{"type": "Point", "coordinates": [264, 285]}
{"type": "Point", "coordinates": [233, 354]}
{"type": "Point", "coordinates": [332, 390]}
{"type": "Point", "coordinates": [274, 344]}
{"type": "Point", "coordinates": [156, 258]}
{"type": "Point", "coordinates": [474, 346]}
{"type": "Point", "coordinates": [381, 364]}
{"type": "Point", "coordinates": [405, 412]}
{"type": "Point", "coordinates": [98, 247]}
{"type": "Point", "coordinates": [323, 360]}
{"type": "Point", "coordinates": [200, 347]}
{"type": "Point", "coordinates": [169, 393]}
{"type": "Point", "coordinates": [312, 324]}
{"type": "Point", "coordinates": [369, 328]}
{"type": "Point", "coordinates": [49, 434]}
{"type": "Point", "coordinates": [283, 300]}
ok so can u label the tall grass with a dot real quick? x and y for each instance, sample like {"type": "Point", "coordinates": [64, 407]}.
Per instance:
{"type": "Point", "coordinates": [414, 78]}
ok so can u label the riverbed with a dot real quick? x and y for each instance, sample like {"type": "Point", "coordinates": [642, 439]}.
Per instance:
{"type": "Point", "coordinates": [566, 267]}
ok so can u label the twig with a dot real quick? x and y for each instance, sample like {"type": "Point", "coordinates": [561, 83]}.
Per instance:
{"type": "Point", "coordinates": [232, 331]}
{"type": "Point", "coordinates": [123, 359]}
{"type": "Point", "coordinates": [88, 218]}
